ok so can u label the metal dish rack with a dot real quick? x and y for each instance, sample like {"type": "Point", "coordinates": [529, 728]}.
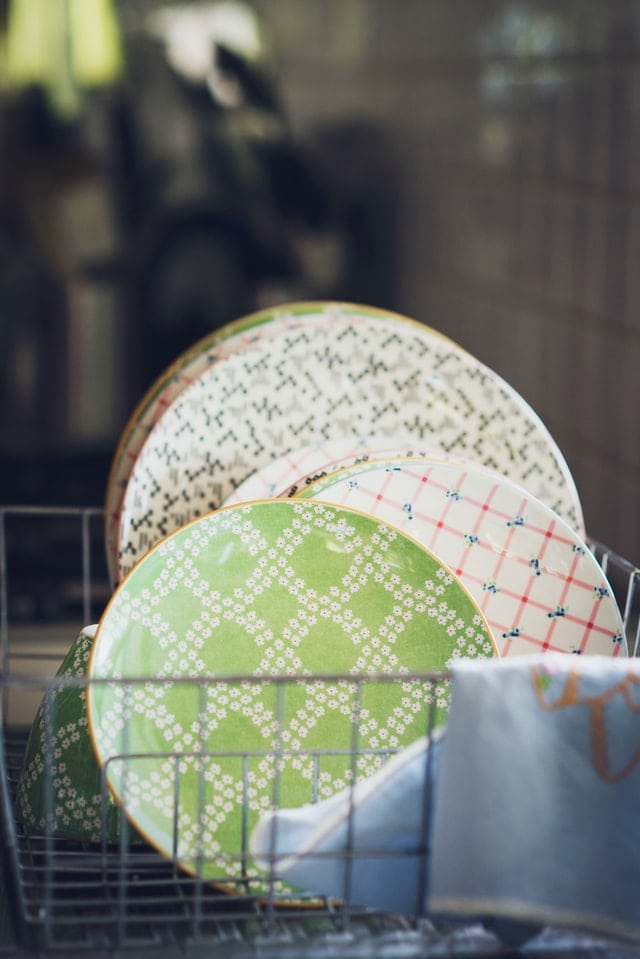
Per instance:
{"type": "Point", "coordinates": [62, 897]}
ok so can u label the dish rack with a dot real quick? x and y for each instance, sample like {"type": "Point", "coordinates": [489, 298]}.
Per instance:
{"type": "Point", "coordinates": [62, 897]}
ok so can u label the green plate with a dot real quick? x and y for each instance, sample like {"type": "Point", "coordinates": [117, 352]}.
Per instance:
{"type": "Point", "coordinates": [227, 653]}
{"type": "Point", "coordinates": [60, 789]}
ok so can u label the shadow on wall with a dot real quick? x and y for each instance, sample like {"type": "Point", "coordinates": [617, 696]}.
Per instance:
{"type": "Point", "coordinates": [359, 168]}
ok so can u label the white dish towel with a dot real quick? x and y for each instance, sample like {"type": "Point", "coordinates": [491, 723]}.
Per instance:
{"type": "Point", "coordinates": [537, 802]}
{"type": "Point", "coordinates": [366, 844]}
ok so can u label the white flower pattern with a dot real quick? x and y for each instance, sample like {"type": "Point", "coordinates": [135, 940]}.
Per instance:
{"type": "Point", "coordinates": [351, 597]}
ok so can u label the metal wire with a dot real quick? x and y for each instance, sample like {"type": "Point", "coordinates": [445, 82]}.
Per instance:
{"type": "Point", "coordinates": [85, 895]}
{"type": "Point", "coordinates": [72, 896]}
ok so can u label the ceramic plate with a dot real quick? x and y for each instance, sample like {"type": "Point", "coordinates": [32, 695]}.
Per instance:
{"type": "Point", "coordinates": [266, 589]}
{"type": "Point", "coordinates": [223, 342]}
{"type": "Point", "coordinates": [536, 582]}
{"type": "Point", "coordinates": [333, 375]}
{"type": "Point", "coordinates": [187, 367]}
{"type": "Point", "coordinates": [60, 789]}
{"type": "Point", "coordinates": [330, 470]}
{"type": "Point", "coordinates": [301, 467]}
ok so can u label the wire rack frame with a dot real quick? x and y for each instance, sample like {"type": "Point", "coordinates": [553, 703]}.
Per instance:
{"type": "Point", "coordinates": [125, 894]}
{"type": "Point", "coordinates": [80, 897]}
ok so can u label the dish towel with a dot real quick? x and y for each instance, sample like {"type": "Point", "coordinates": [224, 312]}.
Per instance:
{"type": "Point", "coordinates": [537, 805]}
{"type": "Point", "coordinates": [366, 844]}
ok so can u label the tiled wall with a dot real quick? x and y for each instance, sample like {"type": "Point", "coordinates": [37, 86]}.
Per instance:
{"type": "Point", "coordinates": [508, 148]}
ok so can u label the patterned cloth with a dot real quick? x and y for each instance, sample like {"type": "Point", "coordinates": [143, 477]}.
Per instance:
{"type": "Point", "coordinates": [537, 805]}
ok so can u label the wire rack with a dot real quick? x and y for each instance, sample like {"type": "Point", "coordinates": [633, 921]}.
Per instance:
{"type": "Point", "coordinates": [62, 896]}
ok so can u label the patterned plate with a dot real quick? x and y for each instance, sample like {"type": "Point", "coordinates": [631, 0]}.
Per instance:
{"type": "Point", "coordinates": [537, 583]}
{"type": "Point", "coordinates": [223, 342]}
{"type": "Point", "coordinates": [60, 785]}
{"type": "Point", "coordinates": [331, 375]}
{"type": "Point", "coordinates": [311, 462]}
{"type": "Point", "coordinates": [169, 385]}
{"type": "Point", "coordinates": [264, 589]}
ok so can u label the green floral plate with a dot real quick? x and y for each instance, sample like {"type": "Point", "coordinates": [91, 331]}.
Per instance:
{"type": "Point", "coordinates": [60, 789]}
{"type": "Point", "coordinates": [223, 670]}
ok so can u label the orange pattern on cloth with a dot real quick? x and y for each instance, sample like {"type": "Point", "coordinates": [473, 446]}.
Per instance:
{"type": "Point", "coordinates": [597, 704]}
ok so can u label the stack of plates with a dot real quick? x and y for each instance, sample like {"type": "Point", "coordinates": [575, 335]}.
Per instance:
{"type": "Point", "coordinates": [301, 376]}
{"type": "Point", "coordinates": [316, 491]}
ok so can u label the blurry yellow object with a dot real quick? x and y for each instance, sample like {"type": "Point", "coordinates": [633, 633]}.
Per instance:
{"type": "Point", "coordinates": [64, 46]}
{"type": "Point", "coordinates": [96, 51]}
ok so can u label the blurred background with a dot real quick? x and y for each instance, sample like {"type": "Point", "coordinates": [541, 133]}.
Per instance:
{"type": "Point", "coordinates": [169, 167]}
